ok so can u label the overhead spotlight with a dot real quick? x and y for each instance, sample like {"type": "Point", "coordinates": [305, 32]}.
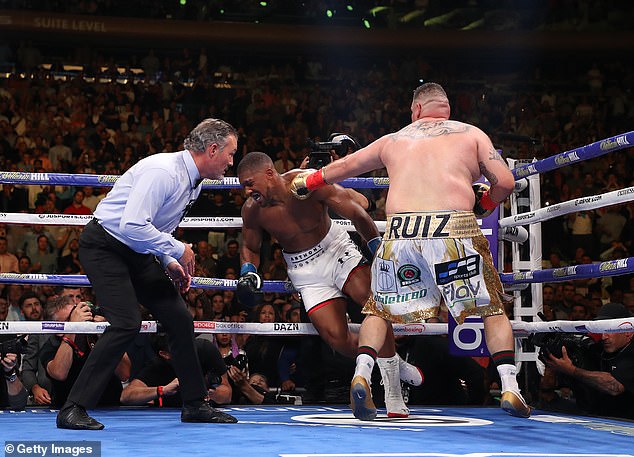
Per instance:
{"type": "Point", "coordinates": [264, 4]}
{"type": "Point", "coordinates": [366, 23]}
{"type": "Point", "coordinates": [349, 7]}
{"type": "Point", "coordinates": [183, 2]}
{"type": "Point", "coordinates": [329, 13]}
{"type": "Point", "coordinates": [378, 9]}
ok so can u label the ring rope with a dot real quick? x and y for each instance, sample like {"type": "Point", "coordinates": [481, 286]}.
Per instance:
{"type": "Point", "coordinates": [608, 268]}
{"type": "Point", "coordinates": [593, 270]}
{"type": "Point", "coordinates": [579, 204]}
{"type": "Point", "coordinates": [596, 149]}
{"type": "Point", "coordinates": [520, 328]}
{"type": "Point", "coordinates": [187, 222]}
{"type": "Point", "coordinates": [82, 281]}
{"type": "Point", "coordinates": [589, 151]}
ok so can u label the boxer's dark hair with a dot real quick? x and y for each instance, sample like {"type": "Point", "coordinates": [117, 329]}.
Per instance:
{"type": "Point", "coordinates": [254, 161]}
{"type": "Point", "coordinates": [427, 89]}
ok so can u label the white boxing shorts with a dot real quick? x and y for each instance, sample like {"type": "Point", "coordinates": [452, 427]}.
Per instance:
{"type": "Point", "coordinates": [320, 273]}
{"type": "Point", "coordinates": [426, 256]}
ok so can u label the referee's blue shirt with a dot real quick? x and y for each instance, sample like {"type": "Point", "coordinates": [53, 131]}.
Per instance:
{"type": "Point", "coordinates": [147, 203]}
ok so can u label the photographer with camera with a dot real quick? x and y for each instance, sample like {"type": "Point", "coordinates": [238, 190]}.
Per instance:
{"type": "Point", "coordinates": [12, 392]}
{"type": "Point", "coordinates": [157, 383]}
{"type": "Point", "coordinates": [64, 355]}
{"type": "Point", "coordinates": [607, 390]}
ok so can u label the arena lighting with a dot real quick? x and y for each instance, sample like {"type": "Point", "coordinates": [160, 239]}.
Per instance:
{"type": "Point", "coordinates": [411, 16]}
{"type": "Point", "coordinates": [329, 13]}
{"type": "Point", "coordinates": [183, 2]}
{"type": "Point", "coordinates": [366, 23]}
{"type": "Point", "coordinates": [264, 4]}
{"type": "Point", "coordinates": [374, 11]}
{"type": "Point", "coordinates": [349, 7]}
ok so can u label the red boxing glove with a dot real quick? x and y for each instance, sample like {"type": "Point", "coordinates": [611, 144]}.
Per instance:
{"type": "Point", "coordinates": [484, 205]}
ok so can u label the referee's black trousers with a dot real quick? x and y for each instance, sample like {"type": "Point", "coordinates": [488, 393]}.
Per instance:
{"type": "Point", "coordinates": [121, 279]}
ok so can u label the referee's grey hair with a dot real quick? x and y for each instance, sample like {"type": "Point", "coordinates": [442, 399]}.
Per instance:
{"type": "Point", "coordinates": [208, 132]}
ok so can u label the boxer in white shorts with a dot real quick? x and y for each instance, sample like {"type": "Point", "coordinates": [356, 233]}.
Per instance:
{"type": "Point", "coordinates": [320, 273]}
{"type": "Point", "coordinates": [323, 263]}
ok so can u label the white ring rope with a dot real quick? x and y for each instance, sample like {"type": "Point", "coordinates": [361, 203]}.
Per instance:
{"type": "Point", "coordinates": [579, 204]}
{"type": "Point", "coordinates": [187, 222]}
{"type": "Point", "coordinates": [520, 328]}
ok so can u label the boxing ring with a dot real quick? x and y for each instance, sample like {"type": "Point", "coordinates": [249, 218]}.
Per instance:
{"type": "Point", "coordinates": [312, 431]}
{"type": "Point", "coordinates": [332, 430]}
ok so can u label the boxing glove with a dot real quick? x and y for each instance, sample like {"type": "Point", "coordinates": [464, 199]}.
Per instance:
{"type": "Point", "coordinates": [298, 188]}
{"type": "Point", "coordinates": [484, 206]}
{"type": "Point", "coordinates": [304, 183]}
{"type": "Point", "coordinates": [249, 287]}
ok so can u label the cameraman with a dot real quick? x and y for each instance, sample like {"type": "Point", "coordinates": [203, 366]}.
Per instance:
{"type": "Point", "coordinates": [63, 356]}
{"type": "Point", "coordinates": [12, 392]}
{"type": "Point", "coordinates": [611, 388]}
{"type": "Point", "coordinates": [157, 382]}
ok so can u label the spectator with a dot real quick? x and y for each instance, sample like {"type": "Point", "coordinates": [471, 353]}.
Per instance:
{"type": "Point", "coordinates": [24, 265]}
{"type": "Point", "coordinates": [30, 306]}
{"type": "Point", "coordinates": [230, 259]}
{"type": "Point", "coordinates": [4, 309]}
{"type": "Point", "coordinates": [90, 199]}
{"type": "Point", "coordinates": [44, 259]}
{"type": "Point", "coordinates": [59, 153]}
{"type": "Point", "coordinates": [8, 261]}
{"type": "Point", "coordinates": [77, 206]}
{"type": "Point", "coordinates": [70, 264]}
{"type": "Point", "coordinates": [204, 259]}
{"type": "Point", "coordinates": [30, 243]}
{"type": "Point", "coordinates": [13, 294]}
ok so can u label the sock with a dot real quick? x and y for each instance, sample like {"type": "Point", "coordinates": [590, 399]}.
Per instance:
{"type": "Point", "coordinates": [409, 373]}
{"type": "Point", "coordinates": [505, 363]}
{"type": "Point", "coordinates": [366, 357]}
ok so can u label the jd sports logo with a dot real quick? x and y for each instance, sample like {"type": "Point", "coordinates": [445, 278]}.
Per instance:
{"type": "Point", "coordinates": [464, 268]}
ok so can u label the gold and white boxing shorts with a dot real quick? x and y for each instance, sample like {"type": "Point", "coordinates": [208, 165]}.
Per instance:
{"type": "Point", "coordinates": [426, 256]}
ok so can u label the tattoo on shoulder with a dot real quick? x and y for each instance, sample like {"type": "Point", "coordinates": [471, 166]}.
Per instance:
{"type": "Point", "coordinates": [494, 155]}
{"type": "Point", "coordinates": [487, 174]}
{"type": "Point", "coordinates": [430, 129]}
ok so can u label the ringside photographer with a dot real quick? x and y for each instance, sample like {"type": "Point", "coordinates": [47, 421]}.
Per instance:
{"type": "Point", "coordinates": [12, 392]}
{"type": "Point", "coordinates": [608, 390]}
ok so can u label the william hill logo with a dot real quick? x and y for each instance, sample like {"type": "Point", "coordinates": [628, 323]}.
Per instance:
{"type": "Point", "coordinates": [612, 265]}
{"type": "Point", "coordinates": [613, 143]}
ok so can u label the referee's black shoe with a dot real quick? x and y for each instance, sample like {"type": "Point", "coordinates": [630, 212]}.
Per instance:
{"type": "Point", "coordinates": [203, 412]}
{"type": "Point", "coordinates": [74, 417]}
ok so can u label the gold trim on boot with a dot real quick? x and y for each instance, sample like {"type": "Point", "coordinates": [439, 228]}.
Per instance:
{"type": "Point", "coordinates": [361, 399]}
{"type": "Point", "coordinates": [514, 404]}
